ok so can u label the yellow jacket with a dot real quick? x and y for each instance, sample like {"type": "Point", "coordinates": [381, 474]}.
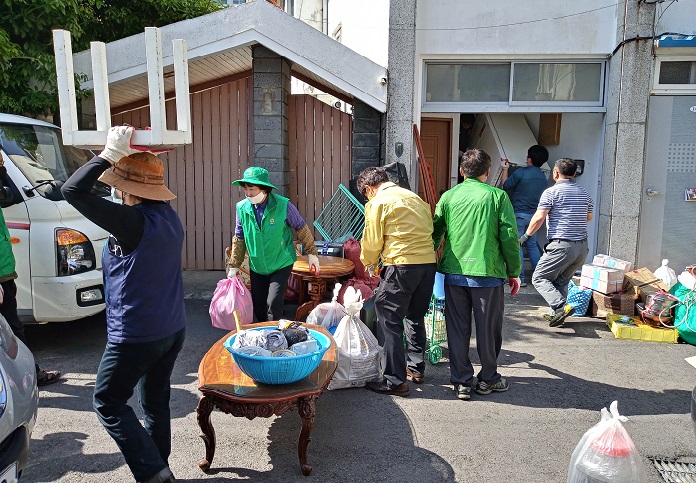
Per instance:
{"type": "Point", "coordinates": [398, 228]}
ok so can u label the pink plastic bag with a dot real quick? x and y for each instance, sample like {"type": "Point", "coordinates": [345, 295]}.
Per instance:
{"type": "Point", "coordinates": [230, 295]}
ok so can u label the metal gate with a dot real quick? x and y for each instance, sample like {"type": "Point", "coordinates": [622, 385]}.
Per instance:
{"type": "Point", "coordinates": [201, 173]}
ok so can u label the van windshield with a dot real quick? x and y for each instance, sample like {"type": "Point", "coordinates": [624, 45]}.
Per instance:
{"type": "Point", "coordinates": [39, 154]}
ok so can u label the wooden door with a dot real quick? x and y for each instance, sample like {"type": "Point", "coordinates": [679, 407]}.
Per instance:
{"type": "Point", "coordinates": [436, 138]}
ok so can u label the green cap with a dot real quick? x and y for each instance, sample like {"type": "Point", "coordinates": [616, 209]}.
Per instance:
{"type": "Point", "coordinates": [254, 175]}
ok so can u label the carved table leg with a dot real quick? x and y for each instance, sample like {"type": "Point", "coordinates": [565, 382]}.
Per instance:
{"type": "Point", "coordinates": [307, 412]}
{"type": "Point", "coordinates": [205, 407]}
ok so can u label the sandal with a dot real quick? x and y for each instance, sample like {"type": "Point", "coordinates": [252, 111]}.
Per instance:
{"type": "Point", "coordinates": [44, 378]}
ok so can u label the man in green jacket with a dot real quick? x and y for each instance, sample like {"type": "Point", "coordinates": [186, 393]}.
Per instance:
{"type": "Point", "coordinates": [480, 252]}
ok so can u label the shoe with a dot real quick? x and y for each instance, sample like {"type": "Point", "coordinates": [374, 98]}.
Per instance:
{"type": "Point", "coordinates": [44, 378]}
{"type": "Point", "coordinates": [413, 377]}
{"type": "Point", "coordinates": [463, 392]}
{"type": "Point", "coordinates": [523, 283]}
{"type": "Point", "coordinates": [486, 388]}
{"type": "Point", "coordinates": [557, 319]}
{"type": "Point", "coordinates": [164, 476]}
{"type": "Point", "coordinates": [383, 387]}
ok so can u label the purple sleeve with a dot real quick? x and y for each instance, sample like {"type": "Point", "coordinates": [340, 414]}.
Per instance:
{"type": "Point", "coordinates": [238, 231]}
{"type": "Point", "coordinates": [294, 219]}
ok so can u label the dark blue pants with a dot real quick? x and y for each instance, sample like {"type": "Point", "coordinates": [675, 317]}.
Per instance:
{"type": "Point", "coordinates": [149, 367]}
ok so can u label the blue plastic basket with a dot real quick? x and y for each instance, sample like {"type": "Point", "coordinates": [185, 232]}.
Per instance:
{"type": "Point", "coordinates": [279, 370]}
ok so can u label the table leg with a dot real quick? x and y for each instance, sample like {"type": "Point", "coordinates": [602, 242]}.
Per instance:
{"type": "Point", "coordinates": [205, 408]}
{"type": "Point", "coordinates": [307, 412]}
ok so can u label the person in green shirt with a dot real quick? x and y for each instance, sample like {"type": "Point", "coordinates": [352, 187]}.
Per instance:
{"type": "Point", "coordinates": [480, 252]}
{"type": "Point", "coordinates": [264, 228]}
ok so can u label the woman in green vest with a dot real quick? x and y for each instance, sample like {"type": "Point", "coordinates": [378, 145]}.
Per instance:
{"type": "Point", "coordinates": [264, 227]}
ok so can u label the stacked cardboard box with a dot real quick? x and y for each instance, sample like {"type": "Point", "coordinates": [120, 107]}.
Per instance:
{"type": "Point", "coordinates": [611, 262]}
{"type": "Point", "coordinates": [643, 283]}
{"type": "Point", "coordinates": [606, 278]}
{"type": "Point", "coordinates": [602, 279]}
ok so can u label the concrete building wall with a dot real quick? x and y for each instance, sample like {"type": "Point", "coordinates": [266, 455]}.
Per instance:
{"type": "Point", "coordinates": [514, 28]}
{"type": "Point", "coordinates": [676, 17]}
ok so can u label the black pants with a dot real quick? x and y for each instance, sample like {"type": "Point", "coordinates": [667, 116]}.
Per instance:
{"type": "Point", "coordinates": [268, 293]}
{"type": "Point", "coordinates": [8, 309]}
{"type": "Point", "coordinates": [147, 367]}
{"type": "Point", "coordinates": [486, 304]}
{"type": "Point", "coordinates": [402, 299]}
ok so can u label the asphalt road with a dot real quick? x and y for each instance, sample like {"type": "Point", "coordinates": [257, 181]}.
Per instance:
{"type": "Point", "coordinates": [560, 379]}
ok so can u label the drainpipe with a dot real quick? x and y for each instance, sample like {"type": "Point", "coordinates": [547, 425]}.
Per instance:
{"type": "Point", "coordinates": [325, 17]}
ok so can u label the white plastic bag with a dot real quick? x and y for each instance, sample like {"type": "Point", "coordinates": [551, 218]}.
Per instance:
{"type": "Point", "coordinates": [358, 350]}
{"type": "Point", "coordinates": [230, 295]}
{"type": "Point", "coordinates": [328, 314]}
{"type": "Point", "coordinates": [606, 453]}
{"type": "Point", "coordinates": [666, 274]}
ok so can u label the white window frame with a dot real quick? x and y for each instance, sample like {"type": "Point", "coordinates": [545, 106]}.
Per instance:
{"type": "Point", "coordinates": [510, 105]}
{"type": "Point", "coordinates": [598, 103]}
{"type": "Point", "coordinates": [671, 88]}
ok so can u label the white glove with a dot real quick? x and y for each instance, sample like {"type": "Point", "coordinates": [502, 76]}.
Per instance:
{"type": "Point", "coordinates": [504, 163]}
{"type": "Point", "coordinates": [313, 261]}
{"type": "Point", "coordinates": [2, 295]}
{"type": "Point", "coordinates": [118, 144]}
{"type": "Point", "coordinates": [371, 271]}
{"type": "Point", "coordinates": [232, 272]}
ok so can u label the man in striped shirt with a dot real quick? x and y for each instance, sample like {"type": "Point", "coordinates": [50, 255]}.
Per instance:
{"type": "Point", "coordinates": [568, 208]}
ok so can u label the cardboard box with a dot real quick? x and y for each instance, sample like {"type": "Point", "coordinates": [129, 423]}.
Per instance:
{"type": "Point", "coordinates": [643, 283]}
{"type": "Point", "coordinates": [600, 286]}
{"type": "Point", "coordinates": [604, 274]}
{"type": "Point", "coordinates": [602, 305]}
{"type": "Point", "coordinates": [611, 262]}
{"type": "Point", "coordinates": [631, 329]}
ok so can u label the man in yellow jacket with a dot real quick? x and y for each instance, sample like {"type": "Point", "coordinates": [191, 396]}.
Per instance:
{"type": "Point", "coordinates": [398, 230]}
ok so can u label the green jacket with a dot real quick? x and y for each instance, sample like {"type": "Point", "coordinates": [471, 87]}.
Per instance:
{"type": "Point", "coordinates": [478, 223]}
{"type": "Point", "coordinates": [270, 247]}
{"type": "Point", "coordinates": [7, 260]}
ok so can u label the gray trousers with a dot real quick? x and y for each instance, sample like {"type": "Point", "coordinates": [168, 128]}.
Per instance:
{"type": "Point", "coordinates": [486, 304]}
{"type": "Point", "coordinates": [556, 267]}
{"type": "Point", "coordinates": [402, 299]}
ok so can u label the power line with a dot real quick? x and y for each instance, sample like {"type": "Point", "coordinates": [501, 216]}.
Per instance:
{"type": "Point", "coordinates": [522, 23]}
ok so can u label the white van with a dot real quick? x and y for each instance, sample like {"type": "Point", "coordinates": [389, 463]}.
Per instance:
{"type": "Point", "coordinates": [57, 250]}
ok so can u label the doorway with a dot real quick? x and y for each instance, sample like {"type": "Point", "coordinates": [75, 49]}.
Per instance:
{"type": "Point", "coordinates": [436, 139]}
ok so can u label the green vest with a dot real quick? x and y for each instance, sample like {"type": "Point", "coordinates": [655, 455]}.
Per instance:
{"type": "Point", "coordinates": [7, 260]}
{"type": "Point", "coordinates": [271, 246]}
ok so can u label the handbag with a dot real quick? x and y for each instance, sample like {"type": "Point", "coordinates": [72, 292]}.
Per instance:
{"type": "Point", "coordinates": [578, 298]}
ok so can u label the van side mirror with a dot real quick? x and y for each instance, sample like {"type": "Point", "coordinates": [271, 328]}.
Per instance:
{"type": "Point", "coordinates": [6, 197]}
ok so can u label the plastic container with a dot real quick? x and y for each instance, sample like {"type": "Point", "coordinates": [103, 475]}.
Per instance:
{"type": "Point", "coordinates": [279, 370]}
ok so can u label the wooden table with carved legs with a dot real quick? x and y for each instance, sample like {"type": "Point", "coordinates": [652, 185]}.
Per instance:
{"type": "Point", "coordinates": [331, 269]}
{"type": "Point", "coordinates": [227, 388]}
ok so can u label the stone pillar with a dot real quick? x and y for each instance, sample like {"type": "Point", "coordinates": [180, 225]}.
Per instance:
{"type": "Point", "coordinates": [624, 145]}
{"type": "Point", "coordinates": [402, 58]}
{"type": "Point", "coordinates": [271, 81]}
{"type": "Point", "coordinates": [367, 138]}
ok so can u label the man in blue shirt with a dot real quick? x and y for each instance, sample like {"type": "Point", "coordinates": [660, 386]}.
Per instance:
{"type": "Point", "coordinates": [524, 188]}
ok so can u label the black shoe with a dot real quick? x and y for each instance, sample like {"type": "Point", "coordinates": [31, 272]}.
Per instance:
{"type": "Point", "coordinates": [557, 319]}
{"type": "Point", "coordinates": [485, 388]}
{"type": "Point", "coordinates": [164, 476]}
{"type": "Point", "coordinates": [463, 392]}
{"type": "Point", "coordinates": [383, 387]}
